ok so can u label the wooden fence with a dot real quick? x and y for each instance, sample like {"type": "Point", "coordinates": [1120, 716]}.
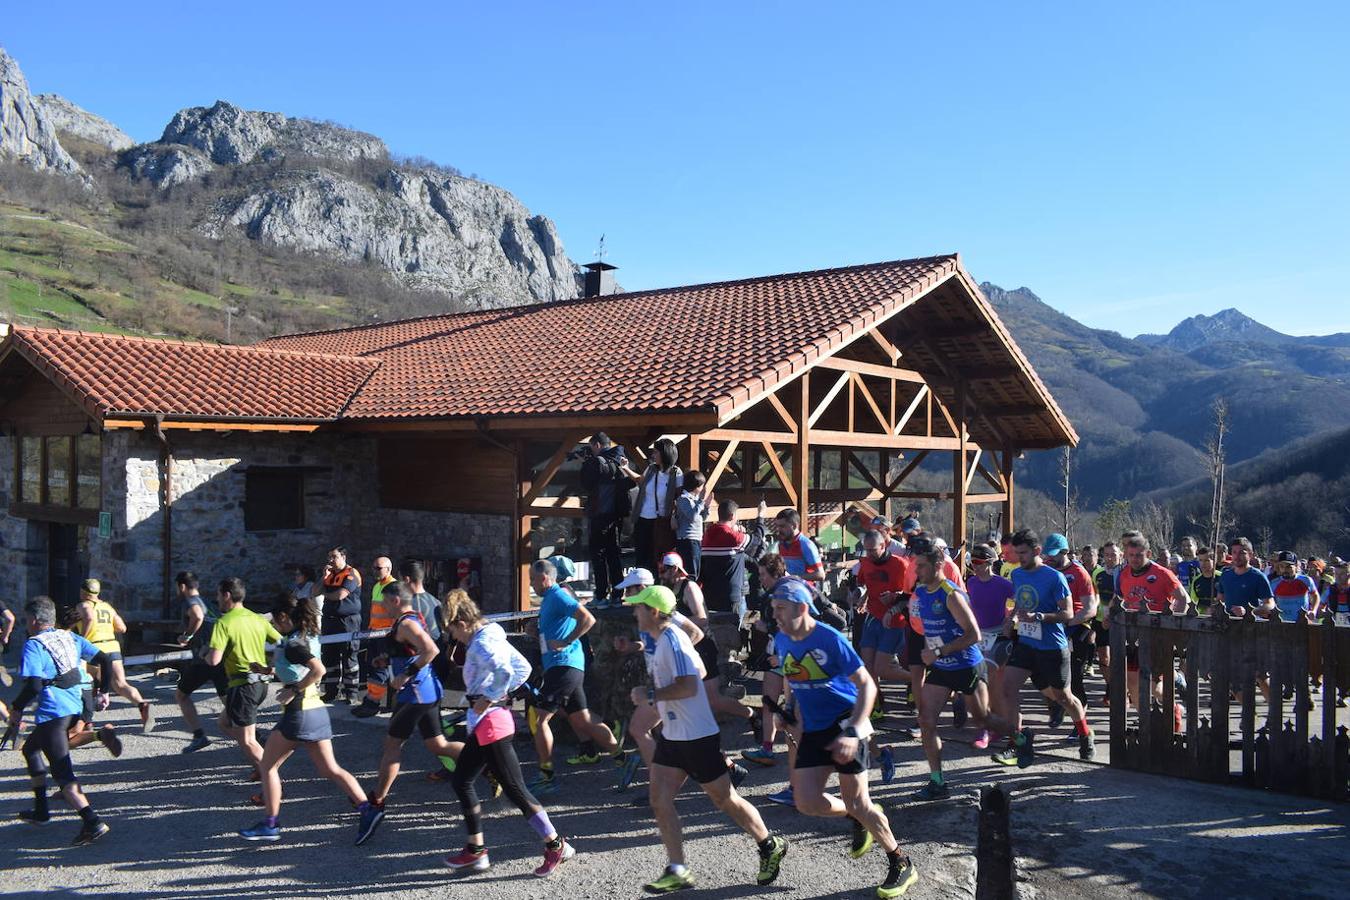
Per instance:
{"type": "Point", "coordinates": [1285, 745]}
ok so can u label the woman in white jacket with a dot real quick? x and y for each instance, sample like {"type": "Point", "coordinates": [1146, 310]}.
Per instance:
{"type": "Point", "coordinates": [493, 669]}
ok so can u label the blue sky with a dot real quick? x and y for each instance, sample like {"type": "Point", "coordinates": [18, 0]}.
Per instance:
{"type": "Point", "coordinates": [1132, 164]}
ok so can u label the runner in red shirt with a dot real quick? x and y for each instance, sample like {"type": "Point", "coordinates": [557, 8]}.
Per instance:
{"type": "Point", "coordinates": [1145, 584]}
{"type": "Point", "coordinates": [1082, 641]}
{"type": "Point", "coordinates": [884, 579]}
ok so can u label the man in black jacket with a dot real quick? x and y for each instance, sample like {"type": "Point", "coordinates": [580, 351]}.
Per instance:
{"type": "Point", "coordinates": [607, 505]}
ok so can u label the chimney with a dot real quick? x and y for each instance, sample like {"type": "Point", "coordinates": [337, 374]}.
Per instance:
{"type": "Point", "coordinates": [599, 281]}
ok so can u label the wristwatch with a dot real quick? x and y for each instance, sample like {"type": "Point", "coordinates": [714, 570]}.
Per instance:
{"type": "Point", "coordinates": [1040, 617]}
{"type": "Point", "coordinates": [850, 732]}
{"type": "Point", "coordinates": [651, 695]}
{"type": "Point", "coordinates": [937, 652]}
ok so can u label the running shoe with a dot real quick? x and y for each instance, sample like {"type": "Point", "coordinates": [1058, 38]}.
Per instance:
{"type": "Point", "coordinates": [981, 741]}
{"type": "Point", "coordinates": [1056, 716]}
{"type": "Point", "coordinates": [629, 771]}
{"type": "Point", "coordinates": [877, 714]}
{"type": "Point", "coordinates": [197, 743]}
{"type": "Point", "coordinates": [959, 713]}
{"type": "Point", "coordinates": [900, 876]}
{"type": "Point", "coordinates": [90, 833]}
{"type": "Point", "coordinates": [583, 759]}
{"type": "Point", "coordinates": [33, 817]}
{"type": "Point", "coordinates": [771, 860]}
{"type": "Point", "coordinates": [783, 797]}
{"type": "Point", "coordinates": [760, 757]}
{"type": "Point", "coordinates": [554, 857]}
{"type": "Point", "coordinates": [886, 759]}
{"type": "Point", "coordinates": [544, 785]}
{"type": "Point", "coordinates": [1007, 756]}
{"type": "Point", "coordinates": [109, 739]}
{"type": "Point", "coordinates": [372, 814]}
{"type": "Point", "coordinates": [367, 709]}
{"type": "Point", "coordinates": [261, 832]}
{"type": "Point", "coordinates": [861, 840]}
{"type": "Point", "coordinates": [757, 726]}
{"type": "Point", "coordinates": [738, 774]}
{"type": "Point", "coordinates": [933, 791]}
{"type": "Point", "coordinates": [1026, 753]}
{"type": "Point", "coordinates": [494, 786]}
{"type": "Point", "coordinates": [1087, 749]}
{"type": "Point", "coordinates": [669, 882]}
{"type": "Point", "coordinates": [147, 717]}
{"type": "Point", "coordinates": [469, 860]}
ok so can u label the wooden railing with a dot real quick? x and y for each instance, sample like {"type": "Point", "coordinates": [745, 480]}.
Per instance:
{"type": "Point", "coordinates": [1294, 748]}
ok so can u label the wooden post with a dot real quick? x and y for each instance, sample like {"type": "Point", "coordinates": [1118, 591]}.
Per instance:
{"type": "Point", "coordinates": [801, 463]}
{"type": "Point", "coordinates": [1006, 469]}
{"type": "Point", "coordinates": [958, 535]}
{"type": "Point", "coordinates": [524, 524]}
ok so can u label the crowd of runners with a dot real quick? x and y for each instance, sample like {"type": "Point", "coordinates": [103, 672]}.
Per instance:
{"type": "Point", "coordinates": [967, 628]}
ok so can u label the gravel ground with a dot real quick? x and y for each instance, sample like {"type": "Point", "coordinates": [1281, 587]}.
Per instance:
{"type": "Point", "coordinates": [1079, 830]}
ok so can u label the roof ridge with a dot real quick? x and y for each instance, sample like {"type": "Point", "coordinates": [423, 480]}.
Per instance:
{"type": "Point", "coordinates": [183, 342]}
{"type": "Point", "coordinates": [626, 295]}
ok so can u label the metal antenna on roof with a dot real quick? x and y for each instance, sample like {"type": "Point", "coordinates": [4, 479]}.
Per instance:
{"type": "Point", "coordinates": [600, 251]}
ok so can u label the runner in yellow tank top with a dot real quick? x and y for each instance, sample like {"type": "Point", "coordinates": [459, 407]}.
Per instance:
{"type": "Point", "coordinates": [100, 625]}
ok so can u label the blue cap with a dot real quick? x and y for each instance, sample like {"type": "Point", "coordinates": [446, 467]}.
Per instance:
{"type": "Point", "coordinates": [1054, 544]}
{"type": "Point", "coordinates": [566, 568]}
{"type": "Point", "coordinates": [792, 590]}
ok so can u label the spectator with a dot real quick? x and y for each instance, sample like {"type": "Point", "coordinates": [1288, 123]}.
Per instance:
{"type": "Point", "coordinates": [658, 486]}
{"type": "Point", "coordinates": [691, 511]}
{"type": "Point", "coordinates": [380, 618]}
{"type": "Point", "coordinates": [341, 615]}
{"type": "Point", "coordinates": [302, 587]}
{"type": "Point", "coordinates": [723, 566]}
{"type": "Point", "coordinates": [607, 484]}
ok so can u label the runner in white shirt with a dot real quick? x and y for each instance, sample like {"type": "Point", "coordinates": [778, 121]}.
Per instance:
{"type": "Point", "coordinates": [690, 744]}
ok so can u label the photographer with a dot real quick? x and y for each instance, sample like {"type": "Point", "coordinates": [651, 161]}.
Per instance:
{"type": "Point", "coordinates": [605, 476]}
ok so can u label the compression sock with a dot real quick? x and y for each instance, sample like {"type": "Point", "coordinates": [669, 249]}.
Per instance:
{"type": "Point", "coordinates": [936, 777]}
{"type": "Point", "coordinates": [40, 801]}
{"type": "Point", "coordinates": [1082, 728]}
{"type": "Point", "coordinates": [541, 825]}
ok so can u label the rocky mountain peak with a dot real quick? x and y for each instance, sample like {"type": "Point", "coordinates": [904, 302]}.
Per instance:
{"type": "Point", "coordinates": [229, 135]}
{"type": "Point", "coordinates": [71, 119]}
{"type": "Point", "coordinates": [26, 132]}
{"type": "Point", "coordinates": [1224, 326]}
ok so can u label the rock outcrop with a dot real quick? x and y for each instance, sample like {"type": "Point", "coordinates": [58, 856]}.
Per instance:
{"type": "Point", "coordinates": [166, 165]}
{"type": "Point", "coordinates": [71, 119]}
{"type": "Point", "coordinates": [26, 132]}
{"type": "Point", "coordinates": [229, 135]}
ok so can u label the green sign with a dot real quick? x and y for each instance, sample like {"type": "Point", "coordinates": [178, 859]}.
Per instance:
{"type": "Point", "coordinates": [105, 524]}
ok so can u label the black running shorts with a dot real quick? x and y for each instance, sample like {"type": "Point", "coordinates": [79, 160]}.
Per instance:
{"type": "Point", "coordinates": [562, 689]}
{"type": "Point", "coordinates": [701, 759]}
{"type": "Point", "coordinates": [242, 702]}
{"type": "Point", "coordinates": [197, 674]}
{"type": "Point", "coordinates": [962, 681]}
{"type": "Point", "coordinates": [1048, 668]}
{"type": "Point", "coordinates": [423, 717]}
{"type": "Point", "coordinates": [813, 751]}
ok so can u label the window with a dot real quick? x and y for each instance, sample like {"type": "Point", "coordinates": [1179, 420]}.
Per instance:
{"type": "Point", "coordinates": [274, 499]}
{"type": "Point", "coordinates": [59, 477]}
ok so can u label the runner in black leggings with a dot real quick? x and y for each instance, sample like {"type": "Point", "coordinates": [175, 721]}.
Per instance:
{"type": "Point", "coordinates": [492, 670]}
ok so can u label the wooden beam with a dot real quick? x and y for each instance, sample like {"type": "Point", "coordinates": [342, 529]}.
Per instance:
{"type": "Point", "coordinates": [905, 472]}
{"type": "Point", "coordinates": [990, 477]}
{"type": "Point", "coordinates": [862, 470]}
{"type": "Point", "coordinates": [802, 461]}
{"type": "Point", "coordinates": [946, 414]}
{"type": "Point", "coordinates": [1005, 469]}
{"type": "Point", "coordinates": [668, 423]}
{"type": "Point", "coordinates": [722, 462]}
{"type": "Point", "coordinates": [828, 399]}
{"type": "Point", "coordinates": [884, 442]}
{"type": "Point", "coordinates": [909, 410]}
{"type": "Point", "coordinates": [743, 434]}
{"type": "Point", "coordinates": [777, 465]}
{"type": "Point", "coordinates": [1026, 409]}
{"type": "Point", "coordinates": [891, 351]}
{"type": "Point", "coordinates": [783, 413]}
{"type": "Point", "coordinates": [548, 505]}
{"type": "Point", "coordinates": [986, 498]}
{"type": "Point", "coordinates": [524, 525]}
{"type": "Point", "coordinates": [545, 478]}
{"type": "Point", "coordinates": [960, 480]}
{"type": "Point", "coordinates": [871, 402]}
{"type": "Point", "coordinates": [865, 368]}
{"type": "Point", "coordinates": [971, 466]}
{"type": "Point", "coordinates": [112, 424]}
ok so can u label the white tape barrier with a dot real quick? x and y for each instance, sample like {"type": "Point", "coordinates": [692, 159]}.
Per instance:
{"type": "Point", "coordinates": [152, 659]}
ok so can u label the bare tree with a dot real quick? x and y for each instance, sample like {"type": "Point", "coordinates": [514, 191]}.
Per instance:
{"type": "Point", "coordinates": [1217, 466]}
{"type": "Point", "coordinates": [1071, 511]}
{"type": "Point", "coordinates": [1158, 524]}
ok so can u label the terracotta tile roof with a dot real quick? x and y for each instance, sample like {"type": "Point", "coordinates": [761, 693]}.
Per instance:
{"type": "Point", "coordinates": [113, 375]}
{"type": "Point", "coordinates": [705, 347]}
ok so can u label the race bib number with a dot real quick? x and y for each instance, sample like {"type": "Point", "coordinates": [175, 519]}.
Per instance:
{"type": "Point", "coordinates": [987, 641]}
{"type": "Point", "coordinates": [932, 643]}
{"type": "Point", "coordinates": [1030, 630]}
{"type": "Point", "coordinates": [1343, 619]}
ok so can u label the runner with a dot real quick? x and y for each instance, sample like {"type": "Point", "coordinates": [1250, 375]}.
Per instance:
{"type": "Point", "coordinates": [800, 555]}
{"type": "Point", "coordinates": [834, 696]}
{"type": "Point", "coordinates": [493, 670]}
{"type": "Point", "coordinates": [1204, 586]}
{"type": "Point", "coordinates": [50, 672]}
{"type": "Point", "coordinates": [82, 729]}
{"type": "Point", "coordinates": [689, 603]}
{"type": "Point", "coordinates": [562, 622]}
{"type": "Point", "coordinates": [884, 580]}
{"type": "Point", "coordinates": [1105, 577]}
{"type": "Point", "coordinates": [1188, 563]}
{"type": "Point", "coordinates": [1082, 641]}
{"type": "Point", "coordinates": [381, 618]}
{"type": "Point", "coordinates": [689, 744]}
{"type": "Point", "coordinates": [1041, 653]}
{"type": "Point", "coordinates": [773, 571]}
{"type": "Point", "coordinates": [304, 719]}
{"type": "Point", "coordinates": [1145, 584]}
{"type": "Point", "coordinates": [199, 620]}
{"type": "Point", "coordinates": [953, 658]}
{"type": "Point", "coordinates": [1242, 587]}
{"type": "Point", "coordinates": [238, 642]}
{"type": "Point", "coordinates": [1294, 592]}
{"type": "Point", "coordinates": [989, 594]}
{"type": "Point", "coordinates": [341, 614]}
{"type": "Point", "coordinates": [100, 625]}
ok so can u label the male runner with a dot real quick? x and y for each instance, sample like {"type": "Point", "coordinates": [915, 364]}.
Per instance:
{"type": "Point", "coordinates": [1043, 607]}
{"type": "Point", "coordinates": [953, 658]}
{"type": "Point", "coordinates": [238, 641]}
{"type": "Point", "coordinates": [418, 696]}
{"type": "Point", "coordinates": [100, 625]}
{"type": "Point", "coordinates": [884, 580]}
{"type": "Point", "coordinates": [1204, 585]}
{"type": "Point", "coordinates": [689, 744]}
{"type": "Point", "coordinates": [199, 620]}
{"type": "Point", "coordinates": [50, 672]}
{"type": "Point", "coordinates": [562, 622]}
{"type": "Point", "coordinates": [834, 696]}
{"type": "Point", "coordinates": [1146, 584]}
{"type": "Point", "coordinates": [1293, 591]}
{"type": "Point", "coordinates": [1082, 641]}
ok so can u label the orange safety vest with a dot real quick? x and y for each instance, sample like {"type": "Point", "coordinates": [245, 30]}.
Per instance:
{"type": "Point", "coordinates": [381, 616]}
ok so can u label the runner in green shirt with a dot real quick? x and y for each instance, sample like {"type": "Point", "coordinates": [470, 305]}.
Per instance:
{"type": "Point", "coordinates": [239, 642]}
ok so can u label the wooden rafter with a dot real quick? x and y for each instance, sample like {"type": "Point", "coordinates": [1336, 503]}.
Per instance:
{"type": "Point", "coordinates": [545, 477]}
{"type": "Point", "coordinates": [906, 471]}
{"type": "Point", "coordinates": [722, 462]}
{"type": "Point", "coordinates": [838, 364]}
{"type": "Point", "coordinates": [891, 351]}
{"type": "Point", "coordinates": [871, 402]}
{"type": "Point", "coordinates": [825, 402]}
{"type": "Point", "coordinates": [908, 414]}
{"type": "Point", "coordinates": [778, 470]}
{"type": "Point", "coordinates": [783, 414]}
{"type": "Point", "coordinates": [970, 470]}
{"type": "Point", "coordinates": [850, 456]}
{"type": "Point", "coordinates": [994, 481]}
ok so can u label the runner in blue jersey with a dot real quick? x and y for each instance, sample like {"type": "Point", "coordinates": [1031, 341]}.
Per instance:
{"type": "Point", "coordinates": [953, 660]}
{"type": "Point", "coordinates": [50, 671]}
{"type": "Point", "coordinates": [1043, 606]}
{"type": "Point", "coordinates": [833, 697]}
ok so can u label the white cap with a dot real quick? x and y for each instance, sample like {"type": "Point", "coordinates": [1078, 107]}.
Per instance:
{"type": "Point", "coordinates": [638, 577]}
